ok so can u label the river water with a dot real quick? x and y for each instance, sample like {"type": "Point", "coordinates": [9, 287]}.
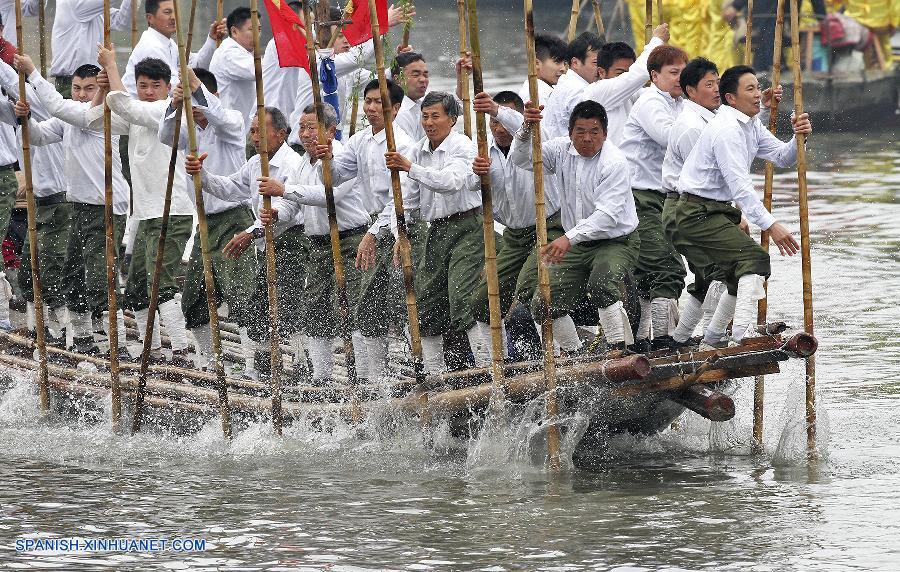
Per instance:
{"type": "Point", "coordinates": [376, 498]}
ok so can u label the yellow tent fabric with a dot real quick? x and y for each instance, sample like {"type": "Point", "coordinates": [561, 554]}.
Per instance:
{"type": "Point", "coordinates": [696, 26]}
{"type": "Point", "coordinates": [720, 38]}
{"type": "Point", "coordinates": [880, 16]}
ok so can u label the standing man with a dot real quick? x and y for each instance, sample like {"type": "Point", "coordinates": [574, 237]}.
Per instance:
{"type": "Point", "coordinates": [550, 62]}
{"type": "Point", "coordinates": [600, 244]}
{"type": "Point", "coordinates": [716, 173]}
{"type": "Point", "coordinates": [581, 55]}
{"type": "Point", "coordinates": [232, 64]}
{"type": "Point", "coordinates": [450, 268]}
{"type": "Point", "coordinates": [411, 73]}
{"type": "Point", "coordinates": [659, 274]}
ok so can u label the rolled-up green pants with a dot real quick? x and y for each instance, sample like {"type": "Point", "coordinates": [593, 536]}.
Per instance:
{"type": "Point", "coordinates": [54, 223]}
{"type": "Point", "coordinates": [291, 254]}
{"type": "Point", "coordinates": [322, 309]}
{"type": "Point", "coordinates": [659, 272]}
{"type": "Point", "coordinates": [85, 271]}
{"type": "Point", "coordinates": [592, 269]}
{"type": "Point", "coordinates": [704, 274]}
{"type": "Point", "coordinates": [235, 280]}
{"type": "Point", "coordinates": [708, 233]}
{"type": "Point", "coordinates": [143, 260]}
{"type": "Point", "coordinates": [9, 186]}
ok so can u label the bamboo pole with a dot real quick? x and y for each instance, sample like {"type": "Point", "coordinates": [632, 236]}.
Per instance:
{"type": "Point", "coordinates": [412, 311]}
{"type": "Point", "coordinates": [43, 383]}
{"type": "Point", "coordinates": [540, 213]}
{"type": "Point", "coordinates": [573, 20]}
{"type": "Point", "coordinates": [748, 42]}
{"type": "Point", "coordinates": [337, 257]}
{"type": "Point", "coordinates": [648, 21]}
{"type": "Point", "coordinates": [759, 387]}
{"type": "Point", "coordinates": [112, 248]}
{"type": "Point", "coordinates": [463, 74]}
{"type": "Point", "coordinates": [598, 18]}
{"type": "Point", "coordinates": [659, 11]}
{"type": "Point", "coordinates": [134, 23]}
{"type": "Point", "coordinates": [219, 15]}
{"type": "Point", "coordinates": [354, 112]}
{"type": "Point", "coordinates": [42, 33]}
{"type": "Point", "coordinates": [804, 234]}
{"type": "Point", "coordinates": [271, 276]}
{"type": "Point", "coordinates": [407, 27]}
{"type": "Point", "coordinates": [487, 207]}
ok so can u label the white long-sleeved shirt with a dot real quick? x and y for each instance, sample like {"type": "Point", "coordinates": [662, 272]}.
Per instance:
{"type": "Point", "coordinates": [78, 28]}
{"type": "Point", "coordinates": [304, 188]}
{"type": "Point", "coordinates": [8, 142]}
{"type": "Point", "coordinates": [235, 74]}
{"type": "Point", "coordinates": [682, 137]}
{"type": "Point", "coordinates": [362, 159]}
{"type": "Point", "coordinates": [148, 158]}
{"type": "Point", "coordinates": [596, 201]}
{"type": "Point", "coordinates": [244, 183]}
{"type": "Point", "coordinates": [222, 140]}
{"type": "Point", "coordinates": [646, 136]}
{"type": "Point", "coordinates": [513, 186]}
{"type": "Point", "coordinates": [544, 91]}
{"type": "Point", "coordinates": [84, 147]}
{"type": "Point", "coordinates": [719, 166]}
{"type": "Point", "coordinates": [409, 118]}
{"type": "Point", "coordinates": [280, 84]}
{"type": "Point", "coordinates": [8, 12]}
{"type": "Point", "coordinates": [566, 94]}
{"type": "Point", "coordinates": [441, 180]}
{"type": "Point", "coordinates": [616, 94]}
{"type": "Point", "coordinates": [155, 45]}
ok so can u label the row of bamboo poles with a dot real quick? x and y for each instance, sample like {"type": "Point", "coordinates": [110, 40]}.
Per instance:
{"type": "Point", "coordinates": [465, 9]}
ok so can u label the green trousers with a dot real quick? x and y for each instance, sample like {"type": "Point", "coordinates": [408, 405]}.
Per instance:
{"type": "Point", "coordinates": [447, 273]}
{"type": "Point", "coordinates": [708, 234]}
{"type": "Point", "coordinates": [592, 269]}
{"type": "Point", "coordinates": [235, 280]}
{"type": "Point", "coordinates": [517, 269]}
{"type": "Point", "coordinates": [9, 186]}
{"type": "Point", "coordinates": [291, 254]}
{"type": "Point", "coordinates": [143, 260]}
{"type": "Point", "coordinates": [321, 304]}
{"type": "Point", "coordinates": [705, 273]}
{"type": "Point", "coordinates": [54, 223]}
{"type": "Point", "coordinates": [380, 292]}
{"type": "Point", "coordinates": [659, 272]}
{"type": "Point", "coordinates": [85, 270]}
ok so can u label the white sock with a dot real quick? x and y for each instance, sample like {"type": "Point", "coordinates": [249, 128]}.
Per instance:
{"type": "Point", "coordinates": [62, 316]}
{"type": "Point", "coordinates": [322, 357]}
{"type": "Point", "coordinates": [360, 356]}
{"type": "Point", "coordinates": [710, 301]}
{"type": "Point", "coordinates": [377, 350]}
{"type": "Point", "coordinates": [29, 317]}
{"type": "Point", "coordinates": [664, 312]}
{"type": "Point", "coordinates": [433, 354]}
{"type": "Point", "coordinates": [248, 348]}
{"type": "Point", "coordinates": [480, 343]}
{"type": "Point", "coordinates": [612, 323]}
{"type": "Point", "coordinates": [203, 337]}
{"type": "Point", "coordinates": [750, 289]}
{"type": "Point", "coordinates": [82, 325]}
{"type": "Point", "coordinates": [690, 317]}
{"type": "Point", "coordinates": [120, 327]}
{"type": "Point", "coordinates": [565, 333]}
{"type": "Point", "coordinates": [722, 316]}
{"type": "Point", "coordinates": [643, 332]}
{"type": "Point", "coordinates": [5, 297]}
{"type": "Point", "coordinates": [173, 320]}
{"type": "Point", "coordinates": [505, 338]}
{"type": "Point", "coordinates": [540, 333]}
{"type": "Point", "coordinates": [141, 316]}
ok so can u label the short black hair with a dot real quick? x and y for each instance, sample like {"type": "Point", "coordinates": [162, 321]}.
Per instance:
{"type": "Point", "coordinates": [510, 97]}
{"type": "Point", "coordinates": [694, 71]}
{"type": "Point", "coordinates": [549, 46]}
{"type": "Point", "coordinates": [152, 6]}
{"type": "Point", "coordinates": [395, 92]}
{"type": "Point", "coordinates": [729, 81]}
{"type": "Point", "coordinates": [613, 51]}
{"type": "Point", "coordinates": [207, 78]}
{"type": "Point", "coordinates": [153, 69]}
{"type": "Point", "coordinates": [237, 17]}
{"type": "Point", "coordinates": [588, 110]}
{"type": "Point", "coordinates": [85, 71]}
{"type": "Point", "coordinates": [403, 60]}
{"type": "Point", "coordinates": [579, 47]}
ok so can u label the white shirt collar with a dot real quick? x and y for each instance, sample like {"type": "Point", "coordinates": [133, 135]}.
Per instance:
{"type": "Point", "coordinates": [379, 137]}
{"type": "Point", "coordinates": [729, 111]}
{"type": "Point", "coordinates": [157, 36]}
{"type": "Point", "coordinates": [699, 109]}
{"type": "Point", "coordinates": [278, 159]}
{"type": "Point", "coordinates": [573, 151]}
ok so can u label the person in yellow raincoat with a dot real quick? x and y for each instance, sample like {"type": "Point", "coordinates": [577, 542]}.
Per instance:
{"type": "Point", "coordinates": [881, 16]}
{"type": "Point", "coordinates": [687, 21]}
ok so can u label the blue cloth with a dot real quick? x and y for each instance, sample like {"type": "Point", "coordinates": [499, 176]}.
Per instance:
{"type": "Point", "coordinates": [329, 81]}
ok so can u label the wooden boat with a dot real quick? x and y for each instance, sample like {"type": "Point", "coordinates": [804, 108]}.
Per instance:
{"type": "Point", "coordinates": [640, 394]}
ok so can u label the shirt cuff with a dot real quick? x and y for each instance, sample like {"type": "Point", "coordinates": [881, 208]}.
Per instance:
{"type": "Point", "coordinates": [574, 236]}
{"type": "Point", "coordinates": [415, 170]}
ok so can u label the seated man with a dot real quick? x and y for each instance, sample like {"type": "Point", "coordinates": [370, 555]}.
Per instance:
{"type": "Point", "coordinates": [717, 173]}
{"type": "Point", "coordinates": [601, 242]}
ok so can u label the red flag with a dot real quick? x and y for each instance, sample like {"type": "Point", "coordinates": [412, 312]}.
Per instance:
{"type": "Point", "coordinates": [361, 29]}
{"type": "Point", "coordinates": [289, 34]}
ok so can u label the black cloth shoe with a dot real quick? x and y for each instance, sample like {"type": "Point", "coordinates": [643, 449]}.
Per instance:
{"type": "Point", "coordinates": [640, 346]}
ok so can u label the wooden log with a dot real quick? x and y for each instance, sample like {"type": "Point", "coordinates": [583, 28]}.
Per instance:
{"type": "Point", "coordinates": [706, 402]}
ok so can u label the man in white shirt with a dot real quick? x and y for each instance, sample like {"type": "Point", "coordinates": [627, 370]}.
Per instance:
{"type": "Point", "coordinates": [85, 271]}
{"type": "Point", "coordinates": [659, 274]}
{"type": "Point", "coordinates": [156, 42]}
{"type": "Point", "coordinates": [717, 172]}
{"type": "Point", "coordinates": [149, 160]}
{"type": "Point", "coordinates": [219, 134]}
{"type": "Point", "coordinates": [448, 194]}
{"type": "Point", "coordinates": [601, 243]}
{"type": "Point", "coordinates": [550, 64]}
{"type": "Point", "coordinates": [362, 160]}
{"type": "Point", "coordinates": [581, 55]}
{"type": "Point", "coordinates": [411, 72]}
{"type": "Point", "coordinates": [304, 189]}
{"type": "Point", "coordinates": [232, 64]}
{"type": "Point", "coordinates": [77, 29]}
{"type": "Point", "coordinates": [291, 244]}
